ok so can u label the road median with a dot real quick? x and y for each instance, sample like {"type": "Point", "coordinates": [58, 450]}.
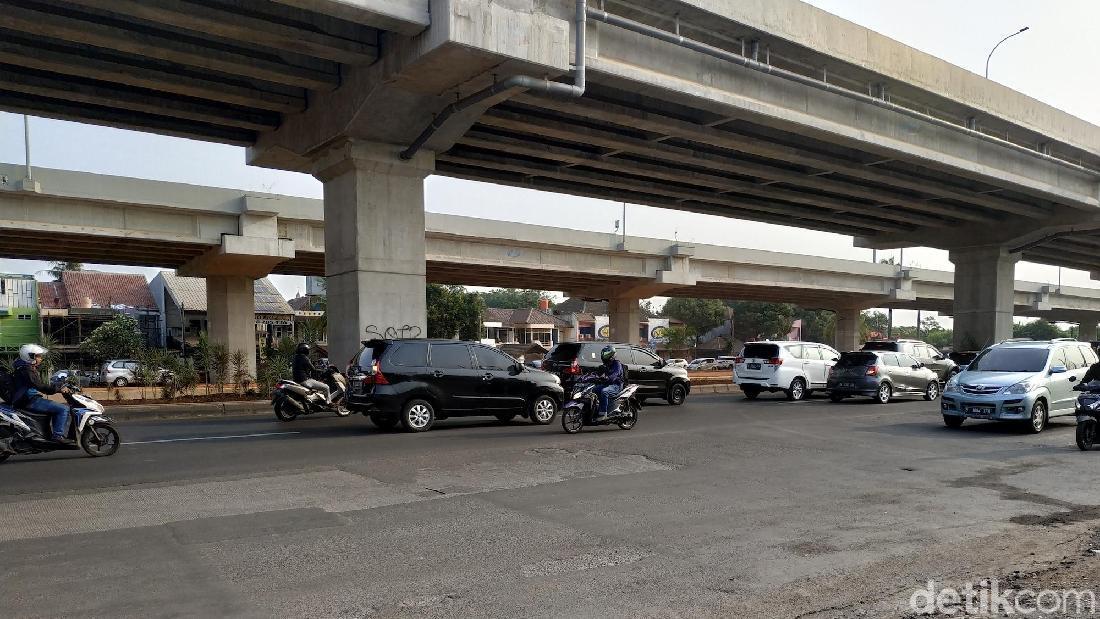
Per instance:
{"type": "Point", "coordinates": [190, 410]}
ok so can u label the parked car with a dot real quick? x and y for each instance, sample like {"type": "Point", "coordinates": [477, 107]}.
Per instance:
{"type": "Point", "coordinates": [795, 368]}
{"type": "Point", "coordinates": [655, 377]}
{"type": "Point", "coordinates": [883, 376]}
{"type": "Point", "coordinates": [724, 363]}
{"type": "Point", "coordinates": [415, 382]}
{"type": "Point", "coordinates": [123, 372]}
{"type": "Point", "coordinates": [927, 354]}
{"type": "Point", "coordinates": [701, 364]}
{"type": "Point", "coordinates": [1021, 381]}
{"type": "Point", "coordinates": [676, 362]}
{"type": "Point", "coordinates": [80, 378]}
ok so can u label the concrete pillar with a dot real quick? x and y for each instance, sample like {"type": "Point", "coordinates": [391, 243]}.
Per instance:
{"type": "Point", "coordinates": [625, 319]}
{"type": "Point", "coordinates": [847, 336]}
{"type": "Point", "coordinates": [374, 241]}
{"type": "Point", "coordinates": [984, 293]}
{"type": "Point", "coordinates": [1086, 330]}
{"type": "Point", "coordinates": [231, 315]}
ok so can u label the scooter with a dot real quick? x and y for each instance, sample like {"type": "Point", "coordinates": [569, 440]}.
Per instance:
{"type": "Point", "coordinates": [290, 399]}
{"type": "Point", "coordinates": [28, 432]}
{"type": "Point", "coordinates": [1088, 414]}
{"type": "Point", "coordinates": [582, 407]}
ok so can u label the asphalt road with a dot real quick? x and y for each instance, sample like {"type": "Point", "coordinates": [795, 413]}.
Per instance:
{"type": "Point", "coordinates": [719, 507]}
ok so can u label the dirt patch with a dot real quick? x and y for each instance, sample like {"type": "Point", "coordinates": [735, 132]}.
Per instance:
{"type": "Point", "coordinates": [188, 399]}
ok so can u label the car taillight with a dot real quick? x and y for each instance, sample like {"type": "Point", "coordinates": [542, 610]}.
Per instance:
{"type": "Point", "coordinates": [574, 368]}
{"type": "Point", "coordinates": [872, 371]}
{"type": "Point", "coordinates": [378, 378]}
{"type": "Point", "coordinates": [776, 361]}
{"type": "Point", "coordinates": [738, 359]}
{"type": "Point", "coordinates": [280, 385]}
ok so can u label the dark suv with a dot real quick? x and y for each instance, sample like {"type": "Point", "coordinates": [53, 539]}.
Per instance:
{"type": "Point", "coordinates": [654, 377]}
{"type": "Point", "coordinates": [927, 354]}
{"type": "Point", "coordinates": [416, 382]}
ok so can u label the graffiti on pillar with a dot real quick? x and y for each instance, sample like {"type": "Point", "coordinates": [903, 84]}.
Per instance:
{"type": "Point", "coordinates": [393, 333]}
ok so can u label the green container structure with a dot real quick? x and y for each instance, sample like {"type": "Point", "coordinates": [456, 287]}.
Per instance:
{"type": "Point", "coordinates": [18, 311]}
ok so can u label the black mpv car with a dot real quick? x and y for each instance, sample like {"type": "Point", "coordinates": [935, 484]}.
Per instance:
{"type": "Point", "coordinates": [655, 378]}
{"type": "Point", "coordinates": [416, 382]}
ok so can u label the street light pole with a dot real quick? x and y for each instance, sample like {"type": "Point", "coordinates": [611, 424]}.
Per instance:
{"type": "Point", "coordinates": [1020, 31]}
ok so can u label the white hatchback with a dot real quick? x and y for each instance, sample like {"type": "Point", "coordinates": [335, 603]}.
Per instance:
{"type": "Point", "coordinates": [795, 368]}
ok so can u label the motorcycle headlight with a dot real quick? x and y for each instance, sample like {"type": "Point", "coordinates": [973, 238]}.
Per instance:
{"type": "Point", "coordinates": [952, 385]}
{"type": "Point", "coordinates": [1020, 388]}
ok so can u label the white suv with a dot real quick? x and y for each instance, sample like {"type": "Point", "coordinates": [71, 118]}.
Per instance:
{"type": "Point", "coordinates": [795, 368]}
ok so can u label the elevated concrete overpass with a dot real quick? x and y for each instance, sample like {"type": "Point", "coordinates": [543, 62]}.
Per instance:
{"type": "Point", "coordinates": [109, 219]}
{"type": "Point", "coordinates": [771, 111]}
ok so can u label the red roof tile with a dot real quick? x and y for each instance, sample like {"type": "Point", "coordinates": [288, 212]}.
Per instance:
{"type": "Point", "coordinates": [107, 290]}
{"type": "Point", "coordinates": [51, 295]}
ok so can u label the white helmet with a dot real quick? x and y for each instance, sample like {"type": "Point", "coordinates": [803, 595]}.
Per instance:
{"type": "Point", "coordinates": [27, 352]}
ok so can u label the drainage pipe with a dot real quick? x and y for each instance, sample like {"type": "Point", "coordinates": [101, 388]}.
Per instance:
{"type": "Point", "coordinates": [721, 54]}
{"type": "Point", "coordinates": [524, 82]}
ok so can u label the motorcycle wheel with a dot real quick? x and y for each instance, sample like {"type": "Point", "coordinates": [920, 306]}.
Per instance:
{"type": "Point", "coordinates": [630, 418]}
{"type": "Point", "coordinates": [341, 408]}
{"type": "Point", "coordinates": [572, 420]}
{"type": "Point", "coordinates": [100, 441]}
{"type": "Point", "coordinates": [284, 412]}
{"type": "Point", "coordinates": [1086, 435]}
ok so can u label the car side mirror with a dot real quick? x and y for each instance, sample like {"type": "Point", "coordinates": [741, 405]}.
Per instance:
{"type": "Point", "coordinates": [659, 364]}
{"type": "Point", "coordinates": [917, 366]}
{"type": "Point", "coordinates": [1058, 369]}
{"type": "Point", "coordinates": [836, 359]}
{"type": "Point", "coordinates": [937, 357]}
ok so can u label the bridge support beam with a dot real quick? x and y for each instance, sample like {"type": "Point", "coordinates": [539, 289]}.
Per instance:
{"type": "Point", "coordinates": [231, 315]}
{"type": "Point", "coordinates": [984, 290]}
{"type": "Point", "coordinates": [374, 241]}
{"type": "Point", "coordinates": [847, 334]}
{"type": "Point", "coordinates": [625, 317]}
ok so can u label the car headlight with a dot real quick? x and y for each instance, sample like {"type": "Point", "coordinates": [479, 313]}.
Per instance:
{"type": "Point", "coordinates": [952, 385]}
{"type": "Point", "coordinates": [1020, 388]}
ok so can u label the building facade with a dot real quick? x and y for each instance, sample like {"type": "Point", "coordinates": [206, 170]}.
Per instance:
{"type": "Point", "coordinates": [18, 311]}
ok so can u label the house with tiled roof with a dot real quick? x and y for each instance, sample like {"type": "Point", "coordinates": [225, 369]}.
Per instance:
{"type": "Point", "coordinates": [525, 326]}
{"type": "Point", "coordinates": [80, 301]}
{"type": "Point", "coordinates": [18, 312]}
{"type": "Point", "coordinates": [590, 319]}
{"type": "Point", "coordinates": [181, 302]}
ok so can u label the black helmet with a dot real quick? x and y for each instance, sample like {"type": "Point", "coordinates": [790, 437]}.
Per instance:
{"type": "Point", "coordinates": [607, 354]}
{"type": "Point", "coordinates": [303, 349]}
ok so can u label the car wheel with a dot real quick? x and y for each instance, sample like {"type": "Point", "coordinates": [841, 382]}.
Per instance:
{"type": "Point", "coordinates": [751, 393]}
{"type": "Point", "coordinates": [1086, 434]}
{"type": "Point", "coordinates": [418, 415]}
{"type": "Point", "coordinates": [505, 417]}
{"type": "Point", "coordinates": [932, 391]}
{"type": "Point", "coordinates": [382, 422]}
{"type": "Point", "coordinates": [835, 398]}
{"type": "Point", "coordinates": [543, 410]}
{"type": "Point", "coordinates": [797, 390]}
{"type": "Point", "coordinates": [953, 421]}
{"type": "Point", "coordinates": [1039, 417]}
{"type": "Point", "coordinates": [677, 393]}
{"type": "Point", "coordinates": [121, 382]}
{"type": "Point", "coordinates": [884, 393]}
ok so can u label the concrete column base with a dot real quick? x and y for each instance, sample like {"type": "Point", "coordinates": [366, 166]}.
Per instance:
{"type": "Point", "coordinates": [847, 335]}
{"type": "Point", "coordinates": [624, 320]}
{"type": "Point", "coordinates": [231, 315]}
{"type": "Point", "coordinates": [374, 242]}
{"type": "Point", "coordinates": [984, 291]}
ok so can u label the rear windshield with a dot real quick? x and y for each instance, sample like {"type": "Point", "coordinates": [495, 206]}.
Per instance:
{"type": "Point", "coordinates": [856, 360]}
{"type": "Point", "coordinates": [891, 346]}
{"type": "Point", "coordinates": [1010, 360]}
{"type": "Point", "coordinates": [563, 352]}
{"type": "Point", "coordinates": [373, 350]}
{"type": "Point", "coordinates": [761, 351]}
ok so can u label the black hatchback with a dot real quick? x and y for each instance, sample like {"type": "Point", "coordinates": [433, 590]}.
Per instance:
{"type": "Point", "coordinates": [655, 378]}
{"type": "Point", "coordinates": [416, 382]}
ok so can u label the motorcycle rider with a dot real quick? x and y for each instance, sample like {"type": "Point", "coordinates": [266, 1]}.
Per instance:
{"type": "Point", "coordinates": [30, 391]}
{"type": "Point", "coordinates": [304, 370]}
{"type": "Point", "coordinates": [612, 378]}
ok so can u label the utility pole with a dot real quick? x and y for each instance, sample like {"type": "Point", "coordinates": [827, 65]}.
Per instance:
{"type": "Point", "coordinates": [1020, 31]}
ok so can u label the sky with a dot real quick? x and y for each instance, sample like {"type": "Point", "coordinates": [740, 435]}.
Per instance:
{"type": "Point", "coordinates": [1052, 62]}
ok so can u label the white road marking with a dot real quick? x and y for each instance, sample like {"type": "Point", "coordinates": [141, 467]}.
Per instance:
{"type": "Point", "coordinates": [208, 438]}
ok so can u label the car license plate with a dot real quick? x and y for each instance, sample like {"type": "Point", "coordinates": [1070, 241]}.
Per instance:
{"type": "Point", "coordinates": [754, 366]}
{"type": "Point", "coordinates": [979, 412]}
{"type": "Point", "coordinates": [846, 385]}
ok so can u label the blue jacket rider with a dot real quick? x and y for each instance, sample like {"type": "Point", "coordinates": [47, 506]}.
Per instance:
{"type": "Point", "coordinates": [30, 390]}
{"type": "Point", "coordinates": [613, 377]}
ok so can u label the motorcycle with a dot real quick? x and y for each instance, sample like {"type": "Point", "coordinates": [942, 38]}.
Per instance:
{"type": "Point", "coordinates": [28, 432]}
{"type": "Point", "coordinates": [290, 399]}
{"type": "Point", "coordinates": [583, 405]}
{"type": "Point", "coordinates": [1088, 414]}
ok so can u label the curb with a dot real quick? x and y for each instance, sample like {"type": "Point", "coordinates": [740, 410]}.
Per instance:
{"type": "Point", "coordinates": [200, 410]}
{"type": "Point", "coordinates": [726, 388]}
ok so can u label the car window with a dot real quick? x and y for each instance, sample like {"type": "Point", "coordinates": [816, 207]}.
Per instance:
{"type": "Point", "coordinates": [492, 359]}
{"type": "Point", "coordinates": [795, 350]}
{"type": "Point", "coordinates": [590, 353]}
{"type": "Point", "coordinates": [1011, 360]}
{"type": "Point", "coordinates": [934, 352]}
{"type": "Point", "coordinates": [920, 351]}
{"type": "Point", "coordinates": [761, 351]}
{"type": "Point", "coordinates": [907, 361]}
{"type": "Point", "coordinates": [373, 350]}
{"type": "Point", "coordinates": [118, 364]}
{"type": "Point", "coordinates": [880, 346]}
{"type": "Point", "coordinates": [451, 356]}
{"type": "Point", "coordinates": [131, 366]}
{"type": "Point", "coordinates": [829, 354]}
{"type": "Point", "coordinates": [410, 354]}
{"type": "Point", "coordinates": [890, 360]}
{"type": "Point", "coordinates": [1058, 357]}
{"type": "Point", "coordinates": [564, 352]}
{"type": "Point", "coordinates": [644, 357]}
{"type": "Point", "coordinates": [625, 355]}
{"type": "Point", "coordinates": [856, 359]}
{"type": "Point", "coordinates": [1074, 357]}
{"type": "Point", "coordinates": [1090, 355]}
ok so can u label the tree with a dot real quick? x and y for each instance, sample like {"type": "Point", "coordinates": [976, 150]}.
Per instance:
{"type": "Point", "coordinates": [57, 268]}
{"type": "Point", "coordinates": [757, 320]}
{"type": "Point", "coordinates": [1038, 330]}
{"type": "Point", "coordinates": [817, 325]}
{"type": "Point", "coordinates": [454, 311]}
{"type": "Point", "coordinates": [872, 323]}
{"type": "Point", "coordinates": [700, 315]}
{"type": "Point", "coordinates": [513, 298]}
{"type": "Point", "coordinates": [679, 338]}
{"type": "Point", "coordinates": [119, 338]}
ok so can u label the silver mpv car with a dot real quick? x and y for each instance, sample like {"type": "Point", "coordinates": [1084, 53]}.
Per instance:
{"type": "Point", "coordinates": [1022, 381]}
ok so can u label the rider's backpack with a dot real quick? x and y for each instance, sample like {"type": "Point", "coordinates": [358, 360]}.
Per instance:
{"type": "Point", "coordinates": [7, 385]}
